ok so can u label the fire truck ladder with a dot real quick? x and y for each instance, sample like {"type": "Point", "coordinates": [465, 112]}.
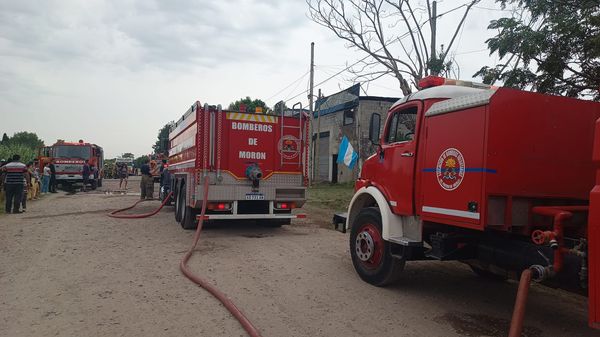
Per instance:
{"type": "Point", "coordinates": [294, 160]}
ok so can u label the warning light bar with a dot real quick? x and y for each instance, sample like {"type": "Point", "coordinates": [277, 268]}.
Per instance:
{"type": "Point", "coordinates": [435, 81]}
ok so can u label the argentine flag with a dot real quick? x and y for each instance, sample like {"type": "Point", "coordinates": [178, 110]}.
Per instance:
{"type": "Point", "coordinates": [346, 154]}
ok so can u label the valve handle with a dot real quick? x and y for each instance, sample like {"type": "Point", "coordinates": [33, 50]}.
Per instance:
{"type": "Point", "coordinates": [538, 237]}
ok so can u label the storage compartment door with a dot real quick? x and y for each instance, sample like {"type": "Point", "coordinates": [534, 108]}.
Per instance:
{"type": "Point", "coordinates": [453, 168]}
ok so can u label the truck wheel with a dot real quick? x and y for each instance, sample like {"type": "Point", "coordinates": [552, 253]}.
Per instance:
{"type": "Point", "coordinates": [188, 219]}
{"type": "Point", "coordinates": [188, 214]}
{"type": "Point", "coordinates": [178, 202]}
{"type": "Point", "coordinates": [371, 255]}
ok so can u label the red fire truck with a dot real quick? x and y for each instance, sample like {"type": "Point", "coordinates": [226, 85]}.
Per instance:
{"type": "Point", "coordinates": [497, 178]}
{"type": "Point", "coordinates": [256, 163]}
{"type": "Point", "coordinates": [69, 158]}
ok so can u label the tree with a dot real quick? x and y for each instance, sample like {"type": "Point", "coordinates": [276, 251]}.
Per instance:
{"type": "Point", "coordinates": [128, 155]}
{"type": "Point", "coordinates": [551, 47]}
{"type": "Point", "coordinates": [5, 139]}
{"type": "Point", "coordinates": [162, 144]}
{"type": "Point", "coordinates": [278, 107]}
{"type": "Point", "coordinates": [140, 160]}
{"type": "Point", "coordinates": [250, 104]}
{"type": "Point", "coordinates": [27, 139]}
{"type": "Point", "coordinates": [393, 35]}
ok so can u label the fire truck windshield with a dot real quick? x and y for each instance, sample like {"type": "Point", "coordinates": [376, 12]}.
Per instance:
{"type": "Point", "coordinates": [72, 151]}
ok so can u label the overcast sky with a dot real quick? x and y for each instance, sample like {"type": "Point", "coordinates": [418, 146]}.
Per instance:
{"type": "Point", "coordinates": [114, 72]}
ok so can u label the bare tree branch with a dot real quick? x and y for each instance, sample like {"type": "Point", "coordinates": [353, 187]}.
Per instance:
{"type": "Point", "coordinates": [376, 26]}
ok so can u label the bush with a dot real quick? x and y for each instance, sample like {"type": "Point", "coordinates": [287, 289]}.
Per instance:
{"type": "Point", "coordinates": [27, 154]}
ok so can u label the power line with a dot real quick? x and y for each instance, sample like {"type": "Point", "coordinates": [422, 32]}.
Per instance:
{"type": "Point", "coordinates": [289, 85]}
{"type": "Point", "coordinates": [494, 9]}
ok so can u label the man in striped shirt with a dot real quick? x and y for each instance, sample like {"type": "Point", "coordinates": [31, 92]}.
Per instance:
{"type": "Point", "coordinates": [14, 184]}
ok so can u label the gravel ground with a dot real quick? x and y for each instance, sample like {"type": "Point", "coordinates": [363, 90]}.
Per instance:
{"type": "Point", "coordinates": [69, 270]}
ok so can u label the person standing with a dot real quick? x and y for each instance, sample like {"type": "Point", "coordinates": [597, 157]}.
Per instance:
{"type": "Point", "coordinates": [46, 178]}
{"type": "Point", "coordinates": [85, 173]}
{"type": "Point", "coordinates": [36, 181]}
{"type": "Point", "coordinates": [26, 188]}
{"type": "Point", "coordinates": [147, 183]}
{"type": "Point", "coordinates": [14, 181]}
{"type": "Point", "coordinates": [52, 177]}
{"type": "Point", "coordinates": [123, 175]}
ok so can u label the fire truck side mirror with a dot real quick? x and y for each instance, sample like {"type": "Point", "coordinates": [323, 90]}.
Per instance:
{"type": "Point", "coordinates": [374, 128]}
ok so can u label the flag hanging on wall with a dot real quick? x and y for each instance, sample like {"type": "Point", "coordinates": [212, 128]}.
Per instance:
{"type": "Point", "coordinates": [346, 153]}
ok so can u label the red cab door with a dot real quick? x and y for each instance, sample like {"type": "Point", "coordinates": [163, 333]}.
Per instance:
{"type": "Point", "coordinates": [396, 171]}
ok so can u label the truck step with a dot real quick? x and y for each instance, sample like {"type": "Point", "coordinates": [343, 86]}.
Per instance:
{"type": "Point", "coordinates": [404, 241]}
{"type": "Point", "coordinates": [339, 221]}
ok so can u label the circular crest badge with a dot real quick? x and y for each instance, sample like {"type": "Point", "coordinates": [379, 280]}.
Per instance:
{"type": "Point", "coordinates": [450, 169]}
{"type": "Point", "coordinates": [289, 147]}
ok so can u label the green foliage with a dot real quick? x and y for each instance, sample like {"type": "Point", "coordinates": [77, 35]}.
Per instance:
{"type": "Point", "coordinates": [278, 106]}
{"type": "Point", "coordinates": [140, 160]}
{"type": "Point", "coordinates": [28, 139]}
{"type": "Point", "coordinates": [334, 196]}
{"type": "Point", "coordinates": [553, 47]}
{"type": "Point", "coordinates": [22, 143]}
{"type": "Point", "coordinates": [250, 104]}
{"type": "Point", "coordinates": [27, 153]}
{"type": "Point", "coordinates": [162, 144]}
{"type": "Point", "coordinates": [128, 155]}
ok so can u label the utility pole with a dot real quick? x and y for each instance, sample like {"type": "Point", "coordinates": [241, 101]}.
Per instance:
{"type": "Point", "coordinates": [432, 22]}
{"type": "Point", "coordinates": [316, 157]}
{"type": "Point", "coordinates": [310, 104]}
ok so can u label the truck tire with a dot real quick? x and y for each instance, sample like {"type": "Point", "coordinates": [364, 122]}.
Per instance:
{"type": "Point", "coordinates": [371, 255]}
{"type": "Point", "coordinates": [178, 202]}
{"type": "Point", "coordinates": [188, 219]}
{"type": "Point", "coordinates": [188, 214]}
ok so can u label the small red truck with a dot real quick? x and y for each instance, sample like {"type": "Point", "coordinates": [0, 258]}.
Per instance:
{"type": "Point", "coordinates": [256, 165]}
{"type": "Point", "coordinates": [497, 178]}
{"type": "Point", "coordinates": [69, 158]}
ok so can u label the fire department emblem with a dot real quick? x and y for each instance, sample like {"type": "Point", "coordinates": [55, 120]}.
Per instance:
{"type": "Point", "coordinates": [289, 147]}
{"type": "Point", "coordinates": [450, 169]}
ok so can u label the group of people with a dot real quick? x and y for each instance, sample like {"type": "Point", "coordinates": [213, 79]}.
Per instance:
{"type": "Point", "coordinates": [21, 182]}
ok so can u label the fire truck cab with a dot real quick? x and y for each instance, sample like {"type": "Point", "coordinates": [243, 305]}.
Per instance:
{"type": "Point", "coordinates": [496, 178]}
{"type": "Point", "coordinates": [69, 157]}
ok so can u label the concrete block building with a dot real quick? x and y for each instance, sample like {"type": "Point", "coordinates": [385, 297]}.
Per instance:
{"type": "Point", "coordinates": [345, 113]}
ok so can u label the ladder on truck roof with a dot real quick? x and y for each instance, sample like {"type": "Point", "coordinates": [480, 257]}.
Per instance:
{"type": "Point", "coordinates": [287, 153]}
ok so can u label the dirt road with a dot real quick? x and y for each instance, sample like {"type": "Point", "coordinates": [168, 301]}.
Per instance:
{"type": "Point", "coordinates": [66, 269]}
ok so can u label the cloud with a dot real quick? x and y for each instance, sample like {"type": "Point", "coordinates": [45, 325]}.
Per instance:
{"type": "Point", "coordinates": [142, 33]}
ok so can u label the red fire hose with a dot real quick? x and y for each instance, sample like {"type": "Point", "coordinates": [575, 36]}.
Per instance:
{"type": "Point", "coordinates": [114, 214]}
{"type": "Point", "coordinates": [237, 313]}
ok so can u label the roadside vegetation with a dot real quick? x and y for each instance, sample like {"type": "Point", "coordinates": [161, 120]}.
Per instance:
{"type": "Point", "coordinates": [331, 196]}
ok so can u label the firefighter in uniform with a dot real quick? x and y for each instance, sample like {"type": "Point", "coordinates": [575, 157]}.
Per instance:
{"type": "Point", "coordinates": [147, 183]}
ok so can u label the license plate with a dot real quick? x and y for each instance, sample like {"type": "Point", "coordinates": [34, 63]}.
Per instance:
{"type": "Point", "coordinates": [255, 196]}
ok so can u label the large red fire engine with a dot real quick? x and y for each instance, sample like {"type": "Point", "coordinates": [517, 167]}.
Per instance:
{"type": "Point", "coordinates": [256, 164]}
{"type": "Point", "coordinates": [69, 158]}
{"type": "Point", "coordinates": [494, 177]}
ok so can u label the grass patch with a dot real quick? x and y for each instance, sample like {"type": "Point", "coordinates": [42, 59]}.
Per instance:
{"type": "Point", "coordinates": [334, 196]}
